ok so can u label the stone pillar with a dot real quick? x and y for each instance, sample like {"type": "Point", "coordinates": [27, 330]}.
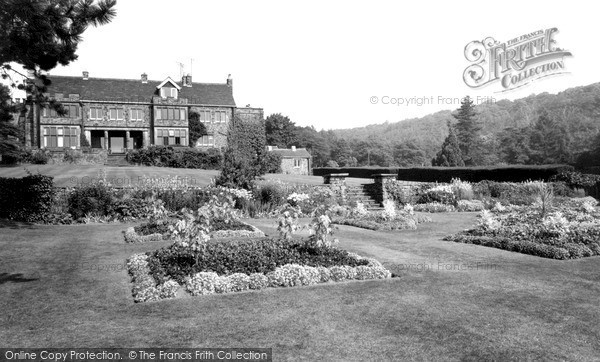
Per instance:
{"type": "Point", "coordinates": [88, 136]}
{"type": "Point", "coordinates": [146, 139]}
{"type": "Point", "coordinates": [127, 140]}
{"type": "Point", "coordinates": [106, 140]}
{"type": "Point", "coordinates": [337, 182]}
{"type": "Point", "coordinates": [380, 193]}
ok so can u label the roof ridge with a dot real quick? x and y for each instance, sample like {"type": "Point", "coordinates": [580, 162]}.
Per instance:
{"type": "Point", "coordinates": [126, 79]}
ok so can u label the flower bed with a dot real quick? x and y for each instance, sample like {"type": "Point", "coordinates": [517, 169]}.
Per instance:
{"type": "Point", "coordinates": [161, 230]}
{"type": "Point", "coordinates": [387, 219]}
{"type": "Point", "coordinates": [434, 207]}
{"type": "Point", "coordinates": [248, 231]}
{"type": "Point", "coordinates": [238, 265]}
{"type": "Point", "coordinates": [569, 231]}
{"type": "Point", "coordinates": [145, 288]}
{"type": "Point", "coordinates": [132, 236]}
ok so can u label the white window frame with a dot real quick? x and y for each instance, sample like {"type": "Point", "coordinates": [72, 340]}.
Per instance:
{"type": "Point", "coordinates": [119, 111]}
{"type": "Point", "coordinates": [164, 94]}
{"type": "Point", "coordinates": [61, 136]}
{"type": "Point", "coordinates": [98, 116]}
{"type": "Point", "coordinates": [297, 162]}
{"type": "Point", "coordinates": [136, 114]}
{"type": "Point", "coordinates": [210, 140]}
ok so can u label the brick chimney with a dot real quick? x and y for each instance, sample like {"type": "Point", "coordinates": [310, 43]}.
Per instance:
{"type": "Point", "coordinates": [293, 148]}
{"type": "Point", "coordinates": [144, 78]}
{"type": "Point", "coordinates": [86, 75]}
{"type": "Point", "coordinates": [186, 80]}
{"type": "Point", "coordinates": [229, 81]}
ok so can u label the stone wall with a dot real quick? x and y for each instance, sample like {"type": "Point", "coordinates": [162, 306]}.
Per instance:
{"type": "Point", "coordinates": [126, 122]}
{"type": "Point", "coordinates": [249, 114]}
{"type": "Point", "coordinates": [217, 130]}
{"type": "Point", "coordinates": [287, 166]}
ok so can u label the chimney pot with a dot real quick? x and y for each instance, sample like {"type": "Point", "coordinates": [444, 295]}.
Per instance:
{"type": "Point", "coordinates": [186, 80]}
{"type": "Point", "coordinates": [294, 148]}
{"type": "Point", "coordinates": [144, 78]}
{"type": "Point", "coordinates": [229, 80]}
{"type": "Point", "coordinates": [86, 75]}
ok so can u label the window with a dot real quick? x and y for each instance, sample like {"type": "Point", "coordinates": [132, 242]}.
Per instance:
{"type": "Point", "coordinates": [168, 92]}
{"type": "Point", "coordinates": [71, 111]}
{"type": "Point", "coordinates": [60, 137]}
{"type": "Point", "coordinates": [116, 114]}
{"type": "Point", "coordinates": [136, 115]}
{"type": "Point", "coordinates": [96, 113]}
{"type": "Point", "coordinates": [204, 116]}
{"type": "Point", "coordinates": [220, 117]}
{"type": "Point", "coordinates": [171, 113]}
{"type": "Point", "coordinates": [297, 162]}
{"type": "Point", "coordinates": [170, 136]}
{"type": "Point", "coordinates": [206, 141]}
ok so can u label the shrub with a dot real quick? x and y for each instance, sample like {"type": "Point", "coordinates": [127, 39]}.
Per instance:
{"type": "Point", "coordinates": [438, 194]}
{"type": "Point", "coordinates": [576, 179]}
{"type": "Point", "coordinates": [272, 192]}
{"type": "Point", "coordinates": [26, 199]}
{"type": "Point", "coordinates": [72, 156]}
{"type": "Point", "coordinates": [272, 162]}
{"type": "Point", "coordinates": [434, 207]}
{"type": "Point", "coordinates": [473, 205]}
{"type": "Point", "coordinates": [39, 157]}
{"type": "Point", "coordinates": [132, 236]}
{"type": "Point", "coordinates": [258, 281]}
{"type": "Point", "coordinates": [177, 157]}
{"type": "Point", "coordinates": [93, 199]}
{"type": "Point", "coordinates": [462, 190]}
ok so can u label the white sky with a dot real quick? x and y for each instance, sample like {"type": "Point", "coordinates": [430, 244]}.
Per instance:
{"type": "Point", "coordinates": [319, 62]}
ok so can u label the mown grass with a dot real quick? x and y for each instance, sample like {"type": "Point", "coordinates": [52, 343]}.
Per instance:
{"type": "Point", "coordinates": [52, 294]}
{"type": "Point", "coordinates": [73, 175]}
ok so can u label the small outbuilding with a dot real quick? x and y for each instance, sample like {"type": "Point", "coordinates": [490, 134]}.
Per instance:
{"type": "Point", "coordinates": [294, 161]}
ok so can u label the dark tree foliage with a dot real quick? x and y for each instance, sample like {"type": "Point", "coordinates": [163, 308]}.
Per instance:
{"type": "Point", "coordinates": [41, 34]}
{"type": "Point", "coordinates": [280, 131]}
{"type": "Point", "coordinates": [315, 143]}
{"type": "Point", "coordinates": [450, 154]}
{"type": "Point", "coordinates": [245, 158]}
{"type": "Point", "coordinates": [467, 129]}
{"type": "Point", "coordinates": [9, 131]}
{"type": "Point", "coordinates": [549, 141]}
{"type": "Point", "coordinates": [408, 154]}
{"type": "Point", "coordinates": [197, 129]}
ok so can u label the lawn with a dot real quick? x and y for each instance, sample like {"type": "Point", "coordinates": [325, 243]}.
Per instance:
{"type": "Point", "coordinates": [73, 175]}
{"type": "Point", "coordinates": [452, 301]}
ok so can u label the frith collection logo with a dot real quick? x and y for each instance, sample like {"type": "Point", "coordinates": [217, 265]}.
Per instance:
{"type": "Point", "coordinates": [516, 62]}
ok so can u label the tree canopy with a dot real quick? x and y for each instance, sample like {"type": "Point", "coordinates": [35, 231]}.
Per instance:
{"type": "Point", "coordinates": [41, 34]}
{"type": "Point", "coordinates": [38, 35]}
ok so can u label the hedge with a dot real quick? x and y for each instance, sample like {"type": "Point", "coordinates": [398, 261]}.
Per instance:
{"type": "Point", "coordinates": [177, 157]}
{"type": "Point", "coordinates": [358, 172]}
{"type": "Point", "coordinates": [517, 173]}
{"type": "Point", "coordinates": [26, 199]}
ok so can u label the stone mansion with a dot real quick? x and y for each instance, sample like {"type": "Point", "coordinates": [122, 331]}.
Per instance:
{"type": "Point", "coordinates": [121, 114]}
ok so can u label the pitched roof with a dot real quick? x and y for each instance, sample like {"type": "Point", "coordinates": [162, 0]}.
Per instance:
{"type": "Point", "coordinates": [286, 152]}
{"type": "Point", "coordinates": [133, 90]}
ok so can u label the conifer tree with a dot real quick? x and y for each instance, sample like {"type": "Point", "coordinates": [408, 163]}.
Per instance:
{"type": "Point", "coordinates": [468, 129]}
{"type": "Point", "coordinates": [450, 154]}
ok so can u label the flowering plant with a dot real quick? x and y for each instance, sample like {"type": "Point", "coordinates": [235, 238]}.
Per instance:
{"type": "Point", "coordinates": [321, 231]}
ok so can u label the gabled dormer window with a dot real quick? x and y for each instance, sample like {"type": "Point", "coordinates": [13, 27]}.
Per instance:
{"type": "Point", "coordinates": [168, 88]}
{"type": "Point", "coordinates": [166, 92]}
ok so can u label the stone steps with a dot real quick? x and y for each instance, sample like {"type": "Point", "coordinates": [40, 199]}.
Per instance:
{"type": "Point", "coordinates": [358, 193]}
{"type": "Point", "coordinates": [116, 160]}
